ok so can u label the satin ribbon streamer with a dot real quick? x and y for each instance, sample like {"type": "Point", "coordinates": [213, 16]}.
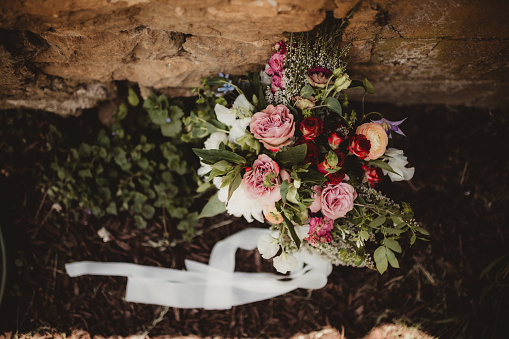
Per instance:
{"type": "Point", "coordinates": [212, 286]}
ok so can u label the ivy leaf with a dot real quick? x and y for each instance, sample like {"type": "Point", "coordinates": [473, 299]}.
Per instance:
{"type": "Point", "coordinates": [211, 156]}
{"type": "Point", "coordinates": [292, 156]}
{"type": "Point", "coordinates": [306, 91]}
{"type": "Point", "coordinates": [334, 105]}
{"type": "Point", "coordinates": [132, 98]}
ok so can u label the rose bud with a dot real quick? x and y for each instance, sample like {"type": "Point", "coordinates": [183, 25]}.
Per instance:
{"type": "Point", "coordinates": [373, 174]}
{"type": "Point", "coordinates": [335, 139]}
{"type": "Point", "coordinates": [342, 82]}
{"type": "Point", "coordinates": [318, 76]}
{"type": "Point", "coordinates": [311, 127]}
{"type": "Point", "coordinates": [302, 103]}
{"type": "Point", "coordinates": [359, 145]}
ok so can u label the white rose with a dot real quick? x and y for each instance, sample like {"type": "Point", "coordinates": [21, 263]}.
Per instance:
{"type": "Point", "coordinates": [398, 162]}
{"type": "Point", "coordinates": [267, 246]}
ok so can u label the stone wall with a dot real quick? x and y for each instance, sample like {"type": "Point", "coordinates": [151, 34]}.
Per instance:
{"type": "Point", "coordinates": [67, 55]}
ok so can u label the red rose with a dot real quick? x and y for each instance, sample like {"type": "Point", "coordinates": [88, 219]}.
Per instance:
{"type": "Point", "coordinates": [359, 145]}
{"type": "Point", "coordinates": [311, 127]}
{"type": "Point", "coordinates": [312, 155]}
{"type": "Point", "coordinates": [337, 177]}
{"type": "Point", "coordinates": [318, 76]}
{"type": "Point", "coordinates": [335, 139]}
{"type": "Point", "coordinates": [373, 174]}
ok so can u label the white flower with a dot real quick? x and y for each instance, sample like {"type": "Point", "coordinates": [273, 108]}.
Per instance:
{"type": "Point", "coordinates": [264, 77]}
{"type": "Point", "coordinates": [285, 262]}
{"type": "Point", "coordinates": [204, 169]}
{"type": "Point", "coordinates": [215, 139]}
{"type": "Point", "coordinates": [302, 231]}
{"type": "Point", "coordinates": [239, 128]}
{"type": "Point", "coordinates": [267, 246]}
{"type": "Point", "coordinates": [225, 115]}
{"type": "Point", "coordinates": [243, 107]}
{"type": "Point", "coordinates": [398, 162]}
{"type": "Point", "coordinates": [240, 205]}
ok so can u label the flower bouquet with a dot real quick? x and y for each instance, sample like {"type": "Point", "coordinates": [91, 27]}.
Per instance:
{"type": "Point", "coordinates": [283, 146]}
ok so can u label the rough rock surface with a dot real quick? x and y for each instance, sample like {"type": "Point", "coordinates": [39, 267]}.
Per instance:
{"type": "Point", "coordinates": [64, 56]}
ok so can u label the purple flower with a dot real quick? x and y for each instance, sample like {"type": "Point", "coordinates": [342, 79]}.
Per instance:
{"type": "Point", "coordinates": [390, 126]}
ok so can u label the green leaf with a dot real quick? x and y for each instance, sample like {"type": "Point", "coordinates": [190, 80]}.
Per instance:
{"type": "Point", "coordinates": [213, 207]}
{"type": "Point", "coordinates": [380, 253]}
{"type": "Point", "coordinates": [312, 177]}
{"type": "Point", "coordinates": [306, 91]}
{"type": "Point", "coordinates": [85, 173]}
{"type": "Point", "coordinates": [364, 235]}
{"type": "Point", "coordinates": [291, 229]}
{"type": "Point", "coordinates": [368, 87]}
{"type": "Point", "coordinates": [412, 239]}
{"type": "Point", "coordinates": [237, 179]}
{"type": "Point", "coordinates": [392, 244]}
{"type": "Point", "coordinates": [121, 112]}
{"type": "Point", "coordinates": [393, 230]}
{"type": "Point", "coordinates": [292, 156]}
{"type": "Point", "coordinates": [392, 258]}
{"type": "Point", "coordinates": [112, 208]}
{"type": "Point", "coordinates": [421, 230]}
{"type": "Point", "coordinates": [171, 129]}
{"type": "Point", "coordinates": [211, 156]}
{"type": "Point", "coordinates": [382, 265]}
{"type": "Point", "coordinates": [132, 98]}
{"type": "Point", "coordinates": [284, 190]}
{"type": "Point", "coordinates": [377, 221]}
{"type": "Point", "coordinates": [334, 105]}
{"type": "Point", "coordinates": [383, 165]}
{"type": "Point", "coordinates": [222, 166]}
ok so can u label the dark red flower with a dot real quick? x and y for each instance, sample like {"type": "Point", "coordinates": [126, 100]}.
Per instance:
{"type": "Point", "coordinates": [318, 76]}
{"type": "Point", "coordinates": [373, 174]}
{"type": "Point", "coordinates": [311, 127]}
{"type": "Point", "coordinates": [336, 177]}
{"type": "Point", "coordinates": [359, 145]}
{"type": "Point", "coordinates": [313, 154]}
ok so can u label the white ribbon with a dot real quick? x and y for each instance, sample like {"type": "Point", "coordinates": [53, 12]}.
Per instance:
{"type": "Point", "coordinates": [213, 286]}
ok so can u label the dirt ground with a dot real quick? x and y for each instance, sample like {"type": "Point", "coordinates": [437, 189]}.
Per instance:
{"type": "Point", "coordinates": [459, 193]}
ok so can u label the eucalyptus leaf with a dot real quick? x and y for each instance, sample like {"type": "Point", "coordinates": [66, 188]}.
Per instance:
{"type": "Point", "coordinates": [306, 91]}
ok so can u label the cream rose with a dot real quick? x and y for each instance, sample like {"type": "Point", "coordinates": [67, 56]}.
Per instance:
{"type": "Point", "coordinates": [377, 136]}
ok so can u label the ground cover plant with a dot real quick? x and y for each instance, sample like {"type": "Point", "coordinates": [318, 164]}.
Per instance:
{"type": "Point", "coordinates": [455, 285]}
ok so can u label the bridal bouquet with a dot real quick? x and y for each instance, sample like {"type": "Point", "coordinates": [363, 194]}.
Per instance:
{"type": "Point", "coordinates": [283, 146]}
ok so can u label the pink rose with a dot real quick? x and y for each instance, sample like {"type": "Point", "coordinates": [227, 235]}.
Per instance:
{"type": "Point", "coordinates": [254, 178]}
{"type": "Point", "coordinates": [274, 126]}
{"type": "Point", "coordinates": [337, 200]}
{"type": "Point", "coordinates": [317, 203]}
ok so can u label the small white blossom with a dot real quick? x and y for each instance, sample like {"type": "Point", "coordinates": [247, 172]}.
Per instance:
{"type": "Point", "coordinates": [239, 128]}
{"type": "Point", "coordinates": [267, 246]}
{"type": "Point", "coordinates": [285, 262]}
{"type": "Point", "coordinates": [398, 162]}
{"type": "Point", "coordinates": [243, 106]}
{"type": "Point", "coordinates": [302, 231]}
{"type": "Point", "coordinates": [225, 115]}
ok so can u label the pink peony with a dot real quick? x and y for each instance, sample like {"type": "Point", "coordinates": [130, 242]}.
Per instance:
{"type": "Point", "coordinates": [253, 181]}
{"type": "Point", "coordinates": [337, 200]}
{"type": "Point", "coordinates": [317, 203]}
{"type": "Point", "coordinates": [274, 126]}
